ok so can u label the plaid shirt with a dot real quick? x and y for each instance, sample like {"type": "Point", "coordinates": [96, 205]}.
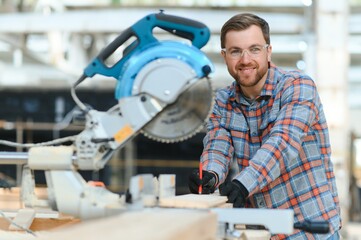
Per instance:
{"type": "Point", "coordinates": [281, 144]}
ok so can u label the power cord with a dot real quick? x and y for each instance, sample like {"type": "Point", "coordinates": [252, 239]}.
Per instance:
{"type": "Point", "coordinates": [29, 145]}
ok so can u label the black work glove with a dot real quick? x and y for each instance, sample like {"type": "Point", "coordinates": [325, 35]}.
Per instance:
{"type": "Point", "coordinates": [209, 181]}
{"type": "Point", "coordinates": [235, 192]}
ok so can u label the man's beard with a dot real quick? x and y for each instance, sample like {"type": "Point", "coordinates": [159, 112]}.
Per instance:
{"type": "Point", "coordinates": [250, 82]}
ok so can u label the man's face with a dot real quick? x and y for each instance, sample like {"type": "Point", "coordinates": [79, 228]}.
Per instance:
{"type": "Point", "coordinates": [248, 67]}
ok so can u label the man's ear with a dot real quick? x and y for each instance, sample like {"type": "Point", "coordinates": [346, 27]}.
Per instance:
{"type": "Point", "coordinates": [223, 54]}
{"type": "Point", "coordinates": [269, 53]}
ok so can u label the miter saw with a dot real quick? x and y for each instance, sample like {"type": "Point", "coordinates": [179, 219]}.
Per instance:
{"type": "Point", "coordinates": [163, 91]}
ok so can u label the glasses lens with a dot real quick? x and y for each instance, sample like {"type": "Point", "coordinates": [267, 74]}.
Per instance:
{"type": "Point", "coordinates": [253, 51]}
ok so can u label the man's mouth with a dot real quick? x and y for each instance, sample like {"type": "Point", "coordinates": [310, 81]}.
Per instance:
{"type": "Point", "coordinates": [247, 70]}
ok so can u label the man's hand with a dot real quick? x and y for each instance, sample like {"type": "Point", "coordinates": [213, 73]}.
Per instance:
{"type": "Point", "coordinates": [235, 192]}
{"type": "Point", "coordinates": [208, 181]}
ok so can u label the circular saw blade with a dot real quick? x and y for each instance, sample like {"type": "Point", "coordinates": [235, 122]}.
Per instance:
{"type": "Point", "coordinates": [185, 117]}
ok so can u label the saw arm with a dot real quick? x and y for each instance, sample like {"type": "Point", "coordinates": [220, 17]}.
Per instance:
{"type": "Point", "coordinates": [163, 89]}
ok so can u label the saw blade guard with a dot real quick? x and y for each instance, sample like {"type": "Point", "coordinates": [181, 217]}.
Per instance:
{"type": "Point", "coordinates": [147, 48]}
{"type": "Point", "coordinates": [183, 52]}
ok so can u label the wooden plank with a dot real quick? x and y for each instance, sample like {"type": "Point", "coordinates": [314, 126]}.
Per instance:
{"type": "Point", "coordinates": [150, 224]}
{"type": "Point", "coordinates": [193, 201]}
{"type": "Point", "coordinates": [10, 199]}
{"type": "Point", "coordinates": [45, 224]}
{"type": "Point", "coordinates": [11, 235]}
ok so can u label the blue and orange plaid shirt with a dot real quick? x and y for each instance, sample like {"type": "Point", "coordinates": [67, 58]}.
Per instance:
{"type": "Point", "coordinates": [281, 144]}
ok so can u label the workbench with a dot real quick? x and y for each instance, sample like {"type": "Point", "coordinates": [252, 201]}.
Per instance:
{"type": "Point", "coordinates": [177, 219]}
{"type": "Point", "coordinates": [150, 223]}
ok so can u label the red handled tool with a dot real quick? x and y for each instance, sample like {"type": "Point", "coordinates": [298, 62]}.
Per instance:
{"type": "Point", "coordinates": [200, 177]}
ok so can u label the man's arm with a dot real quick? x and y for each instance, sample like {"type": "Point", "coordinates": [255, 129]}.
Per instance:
{"type": "Point", "coordinates": [218, 146]}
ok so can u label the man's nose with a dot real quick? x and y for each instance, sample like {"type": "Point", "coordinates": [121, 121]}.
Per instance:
{"type": "Point", "coordinates": [245, 56]}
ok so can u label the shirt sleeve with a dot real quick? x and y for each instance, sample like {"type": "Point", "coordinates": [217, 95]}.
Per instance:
{"type": "Point", "coordinates": [218, 147]}
{"type": "Point", "coordinates": [298, 112]}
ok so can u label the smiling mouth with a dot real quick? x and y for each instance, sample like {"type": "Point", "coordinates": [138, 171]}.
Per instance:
{"type": "Point", "coordinates": [247, 70]}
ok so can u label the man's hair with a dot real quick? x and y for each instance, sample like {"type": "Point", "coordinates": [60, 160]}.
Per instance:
{"type": "Point", "coordinates": [243, 21]}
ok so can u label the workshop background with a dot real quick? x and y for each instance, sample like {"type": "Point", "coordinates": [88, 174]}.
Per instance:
{"type": "Point", "coordinates": [44, 46]}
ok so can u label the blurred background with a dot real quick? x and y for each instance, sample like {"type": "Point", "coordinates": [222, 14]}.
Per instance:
{"type": "Point", "coordinates": [45, 45]}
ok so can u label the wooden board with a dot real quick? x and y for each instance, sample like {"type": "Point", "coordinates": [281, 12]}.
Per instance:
{"type": "Point", "coordinates": [6, 235]}
{"type": "Point", "coordinates": [10, 199]}
{"type": "Point", "coordinates": [44, 224]}
{"type": "Point", "coordinates": [149, 224]}
{"type": "Point", "coordinates": [193, 201]}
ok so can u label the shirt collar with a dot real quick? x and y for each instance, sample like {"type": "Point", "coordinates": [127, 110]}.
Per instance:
{"type": "Point", "coordinates": [267, 91]}
{"type": "Point", "coordinates": [271, 82]}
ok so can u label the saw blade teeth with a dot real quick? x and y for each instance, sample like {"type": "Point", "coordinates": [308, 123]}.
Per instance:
{"type": "Point", "coordinates": [175, 140]}
{"type": "Point", "coordinates": [157, 130]}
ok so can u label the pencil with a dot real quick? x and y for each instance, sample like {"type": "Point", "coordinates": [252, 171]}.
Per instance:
{"type": "Point", "coordinates": [200, 177]}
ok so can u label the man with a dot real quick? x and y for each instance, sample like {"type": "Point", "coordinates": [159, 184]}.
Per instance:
{"type": "Point", "coordinates": [271, 122]}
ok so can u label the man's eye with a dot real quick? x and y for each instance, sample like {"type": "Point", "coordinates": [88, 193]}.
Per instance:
{"type": "Point", "coordinates": [235, 52]}
{"type": "Point", "coordinates": [255, 50]}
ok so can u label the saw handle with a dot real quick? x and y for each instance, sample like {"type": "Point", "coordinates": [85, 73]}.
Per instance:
{"type": "Point", "coordinates": [194, 31]}
{"type": "Point", "coordinates": [98, 66]}
{"type": "Point", "coordinates": [197, 32]}
{"type": "Point", "coordinates": [115, 44]}
{"type": "Point", "coordinates": [313, 226]}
